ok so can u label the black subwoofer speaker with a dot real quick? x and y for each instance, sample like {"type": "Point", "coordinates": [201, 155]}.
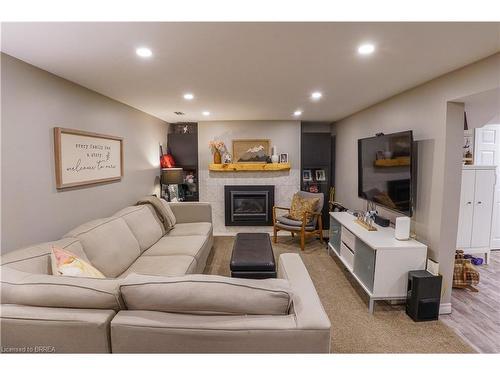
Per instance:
{"type": "Point", "coordinates": [423, 296]}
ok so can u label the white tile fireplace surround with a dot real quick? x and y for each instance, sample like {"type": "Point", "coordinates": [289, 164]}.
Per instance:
{"type": "Point", "coordinates": [286, 183]}
{"type": "Point", "coordinates": [285, 135]}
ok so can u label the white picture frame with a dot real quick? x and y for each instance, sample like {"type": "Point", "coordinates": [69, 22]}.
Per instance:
{"type": "Point", "coordinates": [283, 158]}
{"type": "Point", "coordinates": [307, 175]}
{"type": "Point", "coordinates": [320, 175]}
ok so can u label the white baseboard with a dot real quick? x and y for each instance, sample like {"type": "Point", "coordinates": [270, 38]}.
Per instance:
{"type": "Point", "coordinates": [445, 308]}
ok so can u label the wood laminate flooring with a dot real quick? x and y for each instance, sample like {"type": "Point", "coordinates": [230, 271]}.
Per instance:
{"type": "Point", "coordinates": [476, 316]}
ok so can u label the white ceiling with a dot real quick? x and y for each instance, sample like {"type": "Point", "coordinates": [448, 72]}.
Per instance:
{"type": "Point", "coordinates": [249, 71]}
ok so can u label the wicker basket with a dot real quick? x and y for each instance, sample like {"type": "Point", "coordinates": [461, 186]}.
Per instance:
{"type": "Point", "coordinates": [465, 274]}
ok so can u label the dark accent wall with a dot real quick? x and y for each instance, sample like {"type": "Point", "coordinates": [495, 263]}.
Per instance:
{"type": "Point", "coordinates": [184, 149]}
{"type": "Point", "coordinates": [318, 154]}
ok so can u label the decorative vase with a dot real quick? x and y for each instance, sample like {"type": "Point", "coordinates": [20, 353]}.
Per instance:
{"type": "Point", "coordinates": [217, 157]}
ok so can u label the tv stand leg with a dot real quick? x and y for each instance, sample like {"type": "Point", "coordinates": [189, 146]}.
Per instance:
{"type": "Point", "coordinates": [371, 305]}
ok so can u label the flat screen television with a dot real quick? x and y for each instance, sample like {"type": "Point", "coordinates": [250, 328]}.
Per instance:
{"type": "Point", "coordinates": [386, 171]}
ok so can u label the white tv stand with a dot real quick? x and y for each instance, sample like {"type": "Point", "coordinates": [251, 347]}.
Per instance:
{"type": "Point", "coordinates": [377, 261]}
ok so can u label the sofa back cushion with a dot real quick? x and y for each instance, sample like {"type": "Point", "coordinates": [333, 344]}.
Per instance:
{"type": "Point", "coordinates": [170, 214]}
{"type": "Point", "coordinates": [143, 223]}
{"type": "Point", "coordinates": [109, 244]}
{"type": "Point", "coordinates": [23, 288]}
{"type": "Point", "coordinates": [36, 258]}
{"type": "Point", "coordinates": [206, 294]}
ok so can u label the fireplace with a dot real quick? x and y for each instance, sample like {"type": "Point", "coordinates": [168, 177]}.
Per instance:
{"type": "Point", "coordinates": [248, 205]}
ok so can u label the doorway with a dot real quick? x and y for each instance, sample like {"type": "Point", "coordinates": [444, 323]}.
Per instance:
{"type": "Point", "coordinates": [487, 146]}
{"type": "Point", "coordinates": [474, 314]}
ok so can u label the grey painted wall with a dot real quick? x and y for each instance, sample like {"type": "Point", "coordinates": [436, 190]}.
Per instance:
{"type": "Point", "coordinates": [423, 110]}
{"type": "Point", "coordinates": [33, 102]}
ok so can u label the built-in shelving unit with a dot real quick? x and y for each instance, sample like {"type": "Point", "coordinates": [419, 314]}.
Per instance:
{"type": "Point", "coordinates": [248, 167]}
{"type": "Point", "coordinates": [182, 143]}
{"type": "Point", "coordinates": [317, 161]}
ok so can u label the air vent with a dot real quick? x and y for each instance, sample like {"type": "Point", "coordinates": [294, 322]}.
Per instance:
{"type": "Point", "coordinates": [178, 113]}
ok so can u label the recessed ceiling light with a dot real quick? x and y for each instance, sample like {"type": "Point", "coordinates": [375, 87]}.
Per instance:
{"type": "Point", "coordinates": [144, 52]}
{"type": "Point", "coordinates": [205, 113]}
{"type": "Point", "coordinates": [366, 49]}
{"type": "Point", "coordinates": [316, 95]}
{"type": "Point", "coordinates": [297, 113]}
{"type": "Point", "coordinates": [188, 96]}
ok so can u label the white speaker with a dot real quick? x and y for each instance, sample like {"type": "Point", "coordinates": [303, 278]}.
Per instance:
{"type": "Point", "coordinates": [402, 231]}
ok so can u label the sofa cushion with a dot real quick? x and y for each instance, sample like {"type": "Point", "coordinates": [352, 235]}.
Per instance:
{"type": "Point", "coordinates": [55, 328]}
{"type": "Point", "coordinates": [191, 229]}
{"type": "Point", "coordinates": [207, 294]}
{"type": "Point", "coordinates": [143, 223]}
{"type": "Point", "coordinates": [59, 291]}
{"type": "Point", "coordinates": [162, 265]}
{"type": "Point", "coordinates": [178, 245]}
{"type": "Point", "coordinates": [36, 258]}
{"type": "Point", "coordinates": [170, 215]}
{"type": "Point", "coordinates": [109, 244]}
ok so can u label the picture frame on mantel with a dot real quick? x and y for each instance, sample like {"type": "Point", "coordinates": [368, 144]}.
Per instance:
{"type": "Point", "coordinates": [251, 150]}
{"type": "Point", "coordinates": [85, 158]}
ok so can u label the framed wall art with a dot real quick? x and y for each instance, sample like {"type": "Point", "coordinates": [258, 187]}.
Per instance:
{"type": "Point", "coordinates": [251, 150]}
{"type": "Point", "coordinates": [85, 158]}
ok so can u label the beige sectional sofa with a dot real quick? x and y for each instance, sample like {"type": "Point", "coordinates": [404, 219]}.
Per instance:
{"type": "Point", "coordinates": [154, 297]}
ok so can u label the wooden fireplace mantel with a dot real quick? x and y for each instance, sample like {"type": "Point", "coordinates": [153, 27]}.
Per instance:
{"type": "Point", "coordinates": [248, 167]}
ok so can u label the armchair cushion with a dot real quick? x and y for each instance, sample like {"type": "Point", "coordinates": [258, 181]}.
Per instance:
{"type": "Point", "coordinates": [302, 204]}
{"type": "Point", "coordinates": [286, 220]}
{"type": "Point", "coordinates": [293, 227]}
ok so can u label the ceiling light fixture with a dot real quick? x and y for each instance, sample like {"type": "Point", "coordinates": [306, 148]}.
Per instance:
{"type": "Point", "coordinates": [297, 113]}
{"type": "Point", "coordinates": [144, 52]}
{"type": "Point", "coordinates": [366, 49]}
{"type": "Point", "coordinates": [188, 96]}
{"type": "Point", "coordinates": [316, 95]}
{"type": "Point", "coordinates": [205, 113]}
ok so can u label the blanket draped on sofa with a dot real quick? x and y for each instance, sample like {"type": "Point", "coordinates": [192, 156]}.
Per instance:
{"type": "Point", "coordinates": [163, 211]}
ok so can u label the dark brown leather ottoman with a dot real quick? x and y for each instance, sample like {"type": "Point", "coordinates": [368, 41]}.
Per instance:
{"type": "Point", "coordinates": [253, 256]}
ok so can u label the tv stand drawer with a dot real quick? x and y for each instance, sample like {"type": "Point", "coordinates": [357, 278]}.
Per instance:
{"type": "Point", "coordinates": [347, 255]}
{"type": "Point", "coordinates": [348, 238]}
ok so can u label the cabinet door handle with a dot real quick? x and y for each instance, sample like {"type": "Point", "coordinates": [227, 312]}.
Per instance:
{"type": "Point", "coordinates": [469, 202]}
{"type": "Point", "coordinates": [479, 202]}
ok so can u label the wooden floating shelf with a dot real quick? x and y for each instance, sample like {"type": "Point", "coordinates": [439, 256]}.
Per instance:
{"type": "Point", "coordinates": [249, 167]}
{"type": "Point", "coordinates": [397, 162]}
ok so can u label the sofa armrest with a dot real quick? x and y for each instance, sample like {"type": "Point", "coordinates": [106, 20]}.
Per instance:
{"type": "Point", "coordinates": [192, 212]}
{"type": "Point", "coordinates": [54, 330]}
{"type": "Point", "coordinates": [307, 306]}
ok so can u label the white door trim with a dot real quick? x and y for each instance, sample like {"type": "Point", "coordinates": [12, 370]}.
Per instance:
{"type": "Point", "coordinates": [491, 148]}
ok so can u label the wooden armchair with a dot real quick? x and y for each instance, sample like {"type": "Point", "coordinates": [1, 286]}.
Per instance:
{"type": "Point", "coordinates": [310, 225]}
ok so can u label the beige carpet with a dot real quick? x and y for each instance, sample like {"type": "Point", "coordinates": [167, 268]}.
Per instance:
{"type": "Point", "coordinates": [354, 330]}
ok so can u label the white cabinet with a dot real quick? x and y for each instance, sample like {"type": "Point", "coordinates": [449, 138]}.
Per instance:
{"type": "Point", "coordinates": [476, 209]}
{"type": "Point", "coordinates": [377, 261]}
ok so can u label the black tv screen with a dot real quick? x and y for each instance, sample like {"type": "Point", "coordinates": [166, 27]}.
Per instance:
{"type": "Point", "coordinates": [385, 171]}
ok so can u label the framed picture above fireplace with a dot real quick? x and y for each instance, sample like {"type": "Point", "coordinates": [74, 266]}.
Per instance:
{"type": "Point", "coordinates": [251, 150]}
